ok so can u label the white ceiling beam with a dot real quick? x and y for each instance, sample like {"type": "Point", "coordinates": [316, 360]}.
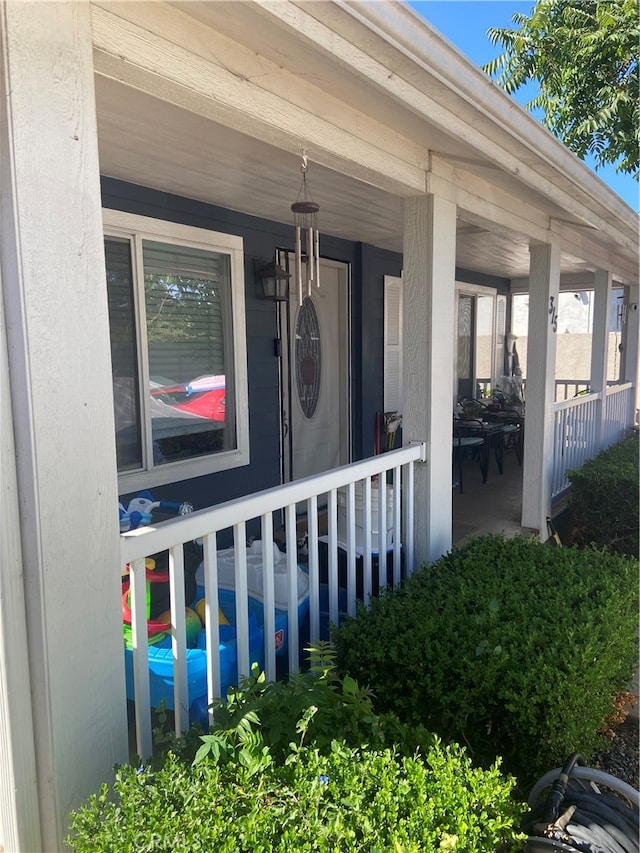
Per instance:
{"type": "Point", "coordinates": [150, 63]}
{"type": "Point", "coordinates": [583, 244]}
{"type": "Point", "coordinates": [484, 204]}
{"type": "Point", "coordinates": [569, 282]}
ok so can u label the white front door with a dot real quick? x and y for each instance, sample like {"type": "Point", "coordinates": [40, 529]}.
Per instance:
{"type": "Point", "coordinates": [316, 375]}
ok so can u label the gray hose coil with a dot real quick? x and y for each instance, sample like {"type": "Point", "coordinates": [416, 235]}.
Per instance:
{"type": "Point", "coordinates": [588, 774]}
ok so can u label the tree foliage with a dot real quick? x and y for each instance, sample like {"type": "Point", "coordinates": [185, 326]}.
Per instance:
{"type": "Point", "coordinates": [584, 56]}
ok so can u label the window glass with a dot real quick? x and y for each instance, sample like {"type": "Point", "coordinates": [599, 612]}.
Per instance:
{"type": "Point", "coordinates": [187, 302]}
{"type": "Point", "coordinates": [176, 313]}
{"type": "Point", "coordinates": [484, 342]}
{"type": "Point", "coordinates": [464, 349]}
{"type": "Point", "coordinates": [124, 360]}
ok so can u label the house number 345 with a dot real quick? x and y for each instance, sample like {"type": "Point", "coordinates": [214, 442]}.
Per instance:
{"type": "Point", "coordinates": [553, 312]}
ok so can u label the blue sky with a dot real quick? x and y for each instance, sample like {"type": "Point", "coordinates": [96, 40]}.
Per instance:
{"type": "Point", "coordinates": [465, 24]}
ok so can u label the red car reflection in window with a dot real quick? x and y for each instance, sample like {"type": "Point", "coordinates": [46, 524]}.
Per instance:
{"type": "Point", "coordinates": [203, 397]}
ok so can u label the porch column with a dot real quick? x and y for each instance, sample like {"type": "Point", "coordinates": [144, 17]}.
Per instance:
{"type": "Point", "coordinates": [544, 285]}
{"type": "Point", "coordinates": [428, 318]}
{"type": "Point", "coordinates": [600, 344]}
{"type": "Point", "coordinates": [61, 735]}
{"type": "Point", "coordinates": [631, 353]}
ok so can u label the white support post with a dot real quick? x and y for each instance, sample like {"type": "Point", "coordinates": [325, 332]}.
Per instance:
{"type": "Point", "coordinates": [64, 486]}
{"type": "Point", "coordinates": [600, 346]}
{"type": "Point", "coordinates": [544, 285]}
{"type": "Point", "coordinates": [428, 324]}
{"type": "Point", "coordinates": [631, 353]}
{"type": "Point", "coordinates": [19, 811]}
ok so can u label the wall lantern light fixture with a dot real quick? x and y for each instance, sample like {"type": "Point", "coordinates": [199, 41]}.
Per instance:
{"type": "Point", "coordinates": [274, 280]}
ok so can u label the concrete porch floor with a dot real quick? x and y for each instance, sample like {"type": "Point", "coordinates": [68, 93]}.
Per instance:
{"type": "Point", "coordinates": [491, 507]}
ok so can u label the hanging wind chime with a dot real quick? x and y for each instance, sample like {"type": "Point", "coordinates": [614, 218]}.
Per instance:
{"type": "Point", "coordinates": [307, 246]}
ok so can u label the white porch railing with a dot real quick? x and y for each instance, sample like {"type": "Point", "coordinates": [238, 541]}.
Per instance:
{"type": "Point", "coordinates": [575, 437]}
{"type": "Point", "coordinates": [568, 388]}
{"type": "Point", "coordinates": [618, 413]}
{"type": "Point", "coordinates": [204, 525]}
{"type": "Point", "coordinates": [565, 388]}
{"type": "Point", "coordinates": [586, 425]}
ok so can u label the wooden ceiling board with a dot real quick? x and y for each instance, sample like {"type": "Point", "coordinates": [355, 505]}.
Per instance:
{"type": "Point", "coordinates": [149, 141]}
{"type": "Point", "coordinates": [160, 146]}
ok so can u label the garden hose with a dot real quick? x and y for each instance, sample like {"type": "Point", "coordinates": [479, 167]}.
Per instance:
{"type": "Point", "coordinates": [585, 810]}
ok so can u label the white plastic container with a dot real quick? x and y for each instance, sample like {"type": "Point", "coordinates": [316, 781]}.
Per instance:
{"type": "Point", "coordinates": [227, 577]}
{"type": "Point", "coordinates": [359, 510]}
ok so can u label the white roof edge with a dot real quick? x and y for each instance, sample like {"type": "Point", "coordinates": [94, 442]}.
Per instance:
{"type": "Point", "coordinates": [401, 25]}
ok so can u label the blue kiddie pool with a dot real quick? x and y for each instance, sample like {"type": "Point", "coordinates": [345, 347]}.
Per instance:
{"type": "Point", "coordinates": [161, 662]}
{"type": "Point", "coordinates": [160, 654]}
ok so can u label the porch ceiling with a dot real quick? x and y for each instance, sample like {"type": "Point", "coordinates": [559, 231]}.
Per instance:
{"type": "Point", "coordinates": [158, 145]}
{"type": "Point", "coordinates": [173, 81]}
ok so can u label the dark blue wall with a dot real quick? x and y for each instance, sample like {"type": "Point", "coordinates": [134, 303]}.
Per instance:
{"type": "Point", "coordinates": [261, 238]}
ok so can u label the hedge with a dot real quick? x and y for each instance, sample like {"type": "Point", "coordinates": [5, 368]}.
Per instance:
{"type": "Point", "coordinates": [604, 499]}
{"type": "Point", "coordinates": [509, 646]}
{"type": "Point", "coordinates": [252, 790]}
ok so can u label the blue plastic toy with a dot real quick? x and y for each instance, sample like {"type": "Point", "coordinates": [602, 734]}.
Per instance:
{"type": "Point", "coordinates": [139, 510]}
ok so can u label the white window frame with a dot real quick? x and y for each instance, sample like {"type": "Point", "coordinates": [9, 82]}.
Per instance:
{"type": "Point", "coordinates": [136, 229]}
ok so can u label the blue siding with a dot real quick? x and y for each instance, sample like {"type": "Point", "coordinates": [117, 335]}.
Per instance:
{"type": "Point", "coordinates": [261, 238]}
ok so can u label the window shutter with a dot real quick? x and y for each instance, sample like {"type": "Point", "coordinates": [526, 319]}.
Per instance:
{"type": "Point", "coordinates": [393, 399]}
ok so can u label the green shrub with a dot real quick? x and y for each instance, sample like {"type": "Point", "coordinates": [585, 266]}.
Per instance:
{"type": "Point", "coordinates": [604, 499]}
{"type": "Point", "coordinates": [340, 709]}
{"type": "Point", "coordinates": [509, 646]}
{"type": "Point", "coordinates": [273, 777]}
{"type": "Point", "coordinates": [345, 800]}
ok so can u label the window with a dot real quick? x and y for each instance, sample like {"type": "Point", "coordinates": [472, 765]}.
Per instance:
{"type": "Point", "coordinates": [176, 314]}
{"type": "Point", "coordinates": [479, 350]}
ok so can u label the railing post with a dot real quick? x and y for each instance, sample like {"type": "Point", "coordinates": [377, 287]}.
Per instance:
{"type": "Point", "coordinates": [212, 620]}
{"type": "Point", "coordinates": [268, 596]}
{"type": "Point", "coordinates": [139, 641]}
{"type": "Point", "coordinates": [314, 571]}
{"type": "Point", "coordinates": [178, 639]}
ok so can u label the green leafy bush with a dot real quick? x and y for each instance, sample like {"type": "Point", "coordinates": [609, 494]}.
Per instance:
{"type": "Point", "coordinates": [347, 799]}
{"type": "Point", "coordinates": [604, 499]}
{"type": "Point", "coordinates": [508, 646]}
{"type": "Point", "coordinates": [339, 708]}
{"type": "Point", "coordinates": [271, 777]}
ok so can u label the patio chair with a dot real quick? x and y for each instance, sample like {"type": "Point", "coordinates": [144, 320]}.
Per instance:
{"type": "Point", "coordinates": [513, 434]}
{"type": "Point", "coordinates": [464, 444]}
{"type": "Point", "coordinates": [470, 408]}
